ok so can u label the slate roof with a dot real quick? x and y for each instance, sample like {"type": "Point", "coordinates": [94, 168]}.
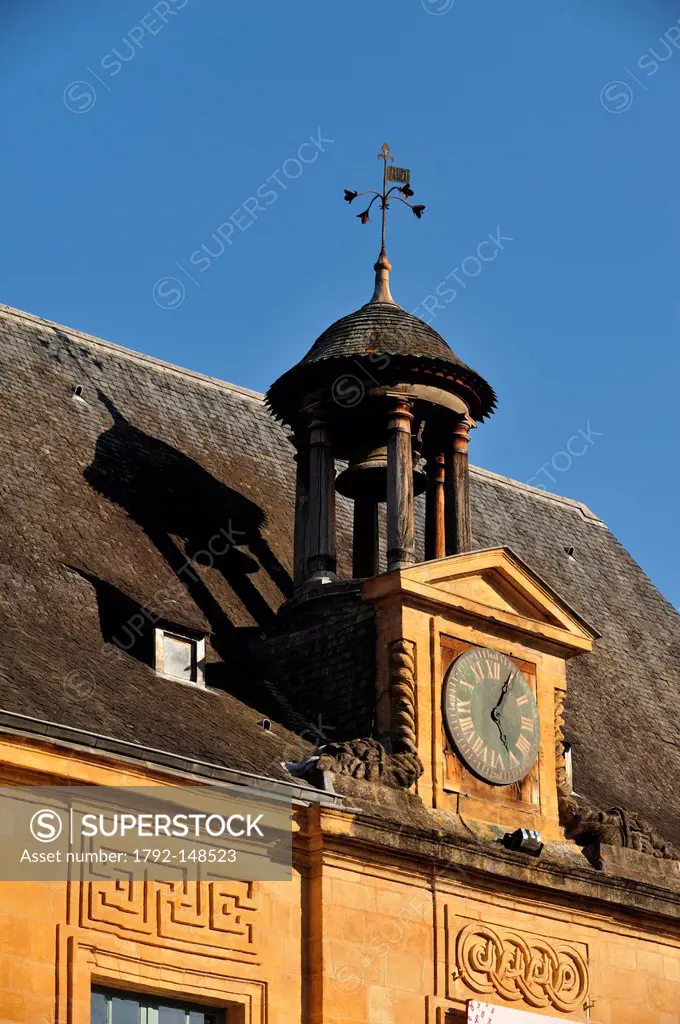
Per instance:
{"type": "Point", "coordinates": [377, 329]}
{"type": "Point", "coordinates": [111, 497]}
{"type": "Point", "coordinates": [384, 327]}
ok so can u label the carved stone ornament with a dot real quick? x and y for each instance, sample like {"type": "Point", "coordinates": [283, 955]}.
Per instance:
{"type": "Point", "coordinates": [563, 788]}
{"type": "Point", "coordinates": [368, 759]}
{"type": "Point", "coordinates": [218, 919]}
{"type": "Point", "coordinates": [592, 826]}
{"type": "Point", "coordinates": [518, 967]}
{"type": "Point", "coordinates": [403, 696]}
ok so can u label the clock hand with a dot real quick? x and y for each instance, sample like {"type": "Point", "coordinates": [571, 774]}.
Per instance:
{"type": "Point", "coordinates": [504, 740]}
{"type": "Point", "coordinates": [495, 713]}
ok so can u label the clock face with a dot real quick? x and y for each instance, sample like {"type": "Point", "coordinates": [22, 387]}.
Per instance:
{"type": "Point", "coordinates": [491, 716]}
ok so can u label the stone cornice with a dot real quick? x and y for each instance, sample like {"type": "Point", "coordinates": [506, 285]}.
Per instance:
{"type": "Point", "coordinates": [561, 874]}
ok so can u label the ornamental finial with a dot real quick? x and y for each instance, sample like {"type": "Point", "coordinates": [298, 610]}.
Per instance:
{"type": "Point", "coordinates": [402, 178]}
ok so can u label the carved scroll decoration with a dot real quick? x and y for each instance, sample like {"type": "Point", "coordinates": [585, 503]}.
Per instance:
{"type": "Point", "coordinates": [560, 759]}
{"type": "Point", "coordinates": [518, 967]}
{"type": "Point", "coordinates": [403, 696]}
{"type": "Point", "coordinates": [368, 759]}
{"type": "Point", "coordinates": [592, 826]}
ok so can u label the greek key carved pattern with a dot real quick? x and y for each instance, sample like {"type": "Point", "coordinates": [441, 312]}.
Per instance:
{"type": "Point", "coordinates": [212, 912]}
{"type": "Point", "coordinates": [213, 917]}
{"type": "Point", "coordinates": [403, 696]}
{"type": "Point", "coordinates": [518, 967]}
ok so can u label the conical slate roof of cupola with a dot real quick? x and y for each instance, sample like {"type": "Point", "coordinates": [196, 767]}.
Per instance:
{"type": "Point", "coordinates": [380, 333]}
{"type": "Point", "coordinates": [380, 327]}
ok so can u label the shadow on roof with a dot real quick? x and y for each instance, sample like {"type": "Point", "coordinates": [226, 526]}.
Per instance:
{"type": "Point", "coordinates": [194, 521]}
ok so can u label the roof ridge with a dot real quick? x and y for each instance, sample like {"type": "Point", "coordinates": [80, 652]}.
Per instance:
{"type": "Point", "coordinates": [141, 357]}
{"type": "Point", "coordinates": [517, 485]}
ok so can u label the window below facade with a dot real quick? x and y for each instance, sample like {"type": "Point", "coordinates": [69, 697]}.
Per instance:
{"type": "Point", "coordinates": [133, 1008]}
{"type": "Point", "coordinates": [180, 656]}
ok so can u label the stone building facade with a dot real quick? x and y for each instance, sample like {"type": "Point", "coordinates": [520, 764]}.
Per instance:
{"type": "Point", "coordinates": [144, 503]}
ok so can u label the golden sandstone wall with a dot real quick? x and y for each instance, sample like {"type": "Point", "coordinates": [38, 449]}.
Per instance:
{"type": "Point", "coordinates": [359, 935]}
{"type": "Point", "coordinates": [219, 943]}
{"type": "Point", "coordinates": [394, 953]}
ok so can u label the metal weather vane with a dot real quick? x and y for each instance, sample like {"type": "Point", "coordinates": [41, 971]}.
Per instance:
{"type": "Point", "coordinates": [401, 190]}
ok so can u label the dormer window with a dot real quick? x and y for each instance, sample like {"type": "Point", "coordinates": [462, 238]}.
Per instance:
{"type": "Point", "coordinates": [180, 655]}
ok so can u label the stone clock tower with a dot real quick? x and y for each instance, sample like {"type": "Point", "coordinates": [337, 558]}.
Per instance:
{"type": "Point", "coordinates": [446, 673]}
{"type": "Point", "coordinates": [473, 650]}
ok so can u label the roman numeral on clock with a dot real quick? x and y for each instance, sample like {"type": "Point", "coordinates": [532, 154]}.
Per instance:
{"type": "Point", "coordinates": [477, 671]}
{"type": "Point", "coordinates": [477, 745]}
{"type": "Point", "coordinates": [494, 670]}
{"type": "Point", "coordinates": [523, 745]}
{"type": "Point", "coordinates": [527, 724]}
{"type": "Point", "coordinates": [497, 759]}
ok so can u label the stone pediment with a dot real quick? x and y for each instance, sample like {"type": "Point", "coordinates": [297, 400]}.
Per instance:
{"type": "Point", "coordinates": [492, 584]}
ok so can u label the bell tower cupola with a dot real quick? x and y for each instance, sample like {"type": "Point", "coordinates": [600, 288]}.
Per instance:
{"type": "Point", "coordinates": [381, 391]}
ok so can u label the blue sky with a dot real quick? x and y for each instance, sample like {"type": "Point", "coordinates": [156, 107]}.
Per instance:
{"type": "Point", "coordinates": [133, 131]}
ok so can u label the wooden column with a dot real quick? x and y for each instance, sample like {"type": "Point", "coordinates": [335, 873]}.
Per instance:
{"type": "Point", "coordinates": [301, 508]}
{"type": "Point", "coordinates": [321, 518]}
{"type": "Point", "coordinates": [365, 539]}
{"type": "Point", "coordinates": [401, 534]}
{"type": "Point", "coordinates": [435, 530]}
{"type": "Point", "coordinates": [457, 484]}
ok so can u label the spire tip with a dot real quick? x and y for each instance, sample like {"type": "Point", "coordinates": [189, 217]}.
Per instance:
{"type": "Point", "coordinates": [382, 269]}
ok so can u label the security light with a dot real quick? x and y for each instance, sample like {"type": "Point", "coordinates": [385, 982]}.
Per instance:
{"type": "Point", "coordinates": [524, 840]}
